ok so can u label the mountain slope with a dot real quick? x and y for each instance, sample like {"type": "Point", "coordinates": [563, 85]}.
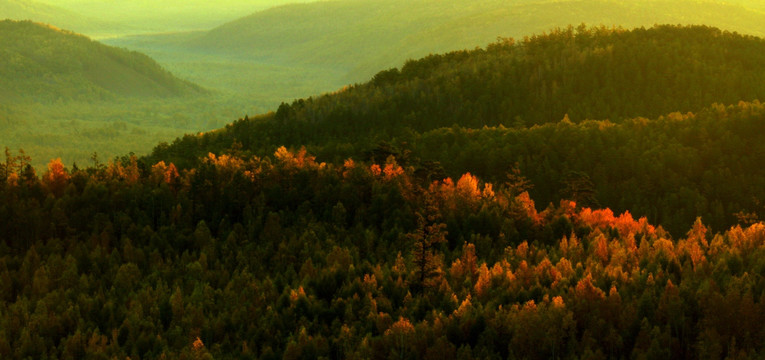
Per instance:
{"type": "Point", "coordinates": [364, 36]}
{"type": "Point", "coordinates": [41, 63]}
{"type": "Point", "coordinates": [570, 74]}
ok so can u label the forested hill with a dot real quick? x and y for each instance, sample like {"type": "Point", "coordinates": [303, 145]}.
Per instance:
{"type": "Point", "coordinates": [609, 75]}
{"type": "Point", "coordinates": [362, 37]}
{"type": "Point", "coordinates": [582, 73]}
{"type": "Point", "coordinates": [44, 64]}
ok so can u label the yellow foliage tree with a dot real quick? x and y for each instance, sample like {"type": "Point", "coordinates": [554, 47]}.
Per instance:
{"type": "Point", "coordinates": [56, 178]}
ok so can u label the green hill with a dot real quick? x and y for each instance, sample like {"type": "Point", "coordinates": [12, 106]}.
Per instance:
{"type": "Point", "coordinates": [43, 64]}
{"type": "Point", "coordinates": [571, 74]}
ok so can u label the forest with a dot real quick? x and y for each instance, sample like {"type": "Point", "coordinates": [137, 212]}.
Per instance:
{"type": "Point", "coordinates": [589, 193]}
{"type": "Point", "coordinates": [287, 257]}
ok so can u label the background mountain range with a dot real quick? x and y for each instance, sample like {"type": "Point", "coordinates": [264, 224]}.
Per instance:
{"type": "Point", "coordinates": [296, 50]}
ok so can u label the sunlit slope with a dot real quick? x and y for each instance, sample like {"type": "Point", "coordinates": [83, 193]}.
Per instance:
{"type": "Point", "coordinates": [43, 64]}
{"type": "Point", "coordinates": [363, 36]}
{"type": "Point", "coordinates": [437, 108]}
{"type": "Point", "coordinates": [60, 17]}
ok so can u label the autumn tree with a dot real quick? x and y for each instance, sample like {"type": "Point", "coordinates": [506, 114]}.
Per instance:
{"type": "Point", "coordinates": [56, 178]}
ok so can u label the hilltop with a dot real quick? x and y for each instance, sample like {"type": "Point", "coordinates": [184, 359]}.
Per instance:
{"type": "Point", "coordinates": [42, 63]}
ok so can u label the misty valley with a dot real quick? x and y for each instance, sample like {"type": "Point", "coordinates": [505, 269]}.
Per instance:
{"type": "Point", "coordinates": [387, 179]}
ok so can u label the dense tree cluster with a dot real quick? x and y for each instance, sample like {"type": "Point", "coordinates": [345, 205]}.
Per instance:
{"type": "Point", "coordinates": [287, 257]}
{"type": "Point", "coordinates": [671, 169]}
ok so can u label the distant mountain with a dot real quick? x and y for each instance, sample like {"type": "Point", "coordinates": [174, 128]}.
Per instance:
{"type": "Point", "coordinates": [362, 37]}
{"type": "Point", "coordinates": [57, 16]}
{"type": "Point", "coordinates": [44, 64]}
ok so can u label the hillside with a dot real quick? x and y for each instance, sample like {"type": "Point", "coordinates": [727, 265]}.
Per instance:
{"type": "Point", "coordinates": [57, 16]}
{"type": "Point", "coordinates": [64, 95]}
{"type": "Point", "coordinates": [609, 75]}
{"type": "Point", "coordinates": [43, 64]}
{"type": "Point", "coordinates": [361, 37]}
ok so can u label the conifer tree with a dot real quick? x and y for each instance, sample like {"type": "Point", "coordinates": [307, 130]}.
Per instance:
{"type": "Point", "coordinates": [426, 237]}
